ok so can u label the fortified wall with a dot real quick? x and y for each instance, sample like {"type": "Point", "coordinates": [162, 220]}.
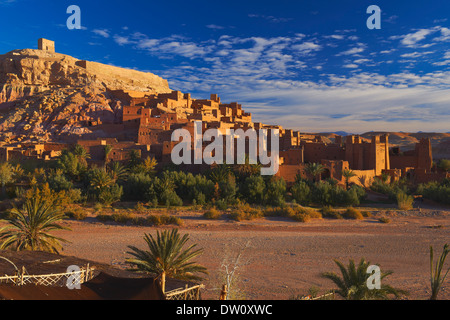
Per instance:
{"type": "Point", "coordinates": [132, 77]}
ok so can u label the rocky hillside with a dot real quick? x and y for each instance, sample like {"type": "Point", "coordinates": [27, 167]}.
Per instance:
{"type": "Point", "coordinates": [44, 96]}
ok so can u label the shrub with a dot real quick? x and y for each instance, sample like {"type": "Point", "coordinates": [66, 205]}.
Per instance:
{"type": "Point", "coordinates": [246, 212]}
{"type": "Point", "coordinates": [276, 191]}
{"type": "Point", "coordinates": [170, 198]}
{"type": "Point", "coordinates": [221, 204]}
{"type": "Point", "coordinates": [77, 214]}
{"type": "Point", "coordinates": [165, 220]}
{"type": "Point", "coordinates": [352, 213]}
{"type": "Point", "coordinates": [439, 192]}
{"type": "Point", "coordinates": [330, 213]}
{"type": "Point", "coordinates": [254, 189]}
{"type": "Point", "coordinates": [140, 208]}
{"type": "Point", "coordinates": [301, 192]}
{"type": "Point", "coordinates": [122, 217]}
{"type": "Point", "coordinates": [384, 220]}
{"type": "Point", "coordinates": [404, 201]}
{"type": "Point", "coordinates": [212, 214]}
{"type": "Point", "coordinates": [111, 194]}
{"type": "Point", "coordinates": [304, 214]}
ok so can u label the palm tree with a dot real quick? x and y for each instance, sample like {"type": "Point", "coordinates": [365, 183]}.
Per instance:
{"type": "Point", "coordinates": [101, 179]}
{"type": "Point", "coordinates": [6, 175]}
{"type": "Point", "coordinates": [107, 149]}
{"type": "Point", "coordinates": [353, 284]}
{"type": "Point", "coordinates": [348, 174]}
{"type": "Point", "coordinates": [148, 166]}
{"type": "Point", "coordinates": [248, 169]}
{"type": "Point", "coordinates": [220, 173]}
{"type": "Point", "coordinates": [134, 159]}
{"type": "Point", "coordinates": [436, 279]}
{"type": "Point", "coordinates": [28, 228]}
{"type": "Point", "coordinates": [315, 170]}
{"type": "Point", "coordinates": [167, 258]}
{"type": "Point", "coordinates": [80, 152]}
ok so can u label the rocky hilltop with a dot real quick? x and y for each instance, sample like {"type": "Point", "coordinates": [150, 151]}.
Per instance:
{"type": "Point", "coordinates": [44, 95]}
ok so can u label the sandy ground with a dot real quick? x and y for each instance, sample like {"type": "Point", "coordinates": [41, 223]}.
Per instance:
{"type": "Point", "coordinates": [283, 258]}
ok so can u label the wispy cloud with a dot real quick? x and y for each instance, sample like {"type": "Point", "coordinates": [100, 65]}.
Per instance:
{"type": "Point", "coordinates": [102, 32]}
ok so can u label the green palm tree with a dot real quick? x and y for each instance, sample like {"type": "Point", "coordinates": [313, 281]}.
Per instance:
{"type": "Point", "coordinates": [436, 275]}
{"type": "Point", "coordinates": [220, 173]}
{"type": "Point", "coordinates": [167, 258]}
{"type": "Point", "coordinates": [353, 284]}
{"type": "Point", "coordinates": [247, 169]}
{"type": "Point", "coordinates": [101, 179]}
{"type": "Point", "coordinates": [348, 174]}
{"type": "Point", "coordinates": [315, 170]}
{"type": "Point", "coordinates": [28, 228]}
{"type": "Point", "coordinates": [107, 149]}
{"type": "Point", "coordinates": [80, 152]}
{"type": "Point", "coordinates": [6, 175]}
{"type": "Point", "coordinates": [148, 166]}
{"type": "Point", "coordinates": [117, 171]}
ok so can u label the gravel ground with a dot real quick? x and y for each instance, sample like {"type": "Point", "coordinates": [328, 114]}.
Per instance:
{"type": "Point", "coordinates": [281, 258]}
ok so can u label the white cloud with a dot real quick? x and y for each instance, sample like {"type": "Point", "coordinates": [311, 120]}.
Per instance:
{"type": "Point", "coordinates": [353, 51]}
{"type": "Point", "coordinates": [215, 27]}
{"type": "Point", "coordinates": [102, 32]}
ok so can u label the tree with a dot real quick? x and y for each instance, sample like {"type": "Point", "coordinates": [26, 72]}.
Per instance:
{"type": "Point", "coordinates": [353, 284]}
{"type": "Point", "coordinates": [348, 174]}
{"type": "Point", "coordinates": [28, 228]}
{"type": "Point", "coordinates": [315, 170]}
{"type": "Point", "coordinates": [148, 166]}
{"type": "Point", "coordinates": [117, 171]}
{"type": "Point", "coordinates": [101, 179]}
{"type": "Point", "coordinates": [134, 159]}
{"type": "Point", "coordinates": [71, 164]}
{"type": "Point", "coordinates": [444, 165]}
{"type": "Point", "coordinates": [80, 152]}
{"type": "Point", "coordinates": [220, 173]}
{"type": "Point", "coordinates": [107, 149]}
{"type": "Point", "coordinates": [436, 272]}
{"type": "Point", "coordinates": [6, 175]}
{"type": "Point", "coordinates": [167, 258]}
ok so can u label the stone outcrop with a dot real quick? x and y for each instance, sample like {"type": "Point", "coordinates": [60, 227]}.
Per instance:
{"type": "Point", "coordinates": [45, 96]}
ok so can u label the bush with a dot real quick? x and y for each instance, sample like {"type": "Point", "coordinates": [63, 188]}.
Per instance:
{"type": "Point", "coordinates": [246, 212]}
{"type": "Point", "coordinates": [136, 186]}
{"type": "Point", "coordinates": [111, 194]}
{"type": "Point", "coordinates": [352, 213]}
{"type": "Point", "coordinates": [212, 214]}
{"type": "Point", "coordinates": [404, 201]}
{"type": "Point", "coordinates": [384, 220]}
{"type": "Point", "coordinates": [170, 198]}
{"type": "Point", "coordinates": [77, 214]}
{"type": "Point", "coordinates": [439, 192]}
{"type": "Point", "coordinates": [301, 193]}
{"type": "Point", "coordinates": [165, 220]}
{"type": "Point", "coordinates": [221, 204]}
{"type": "Point", "coordinates": [140, 208]}
{"type": "Point", "coordinates": [254, 189]}
{"type": "Point", "coordinates": [330, 213]}
{"type": "Point", "coordinates": [276, 191]}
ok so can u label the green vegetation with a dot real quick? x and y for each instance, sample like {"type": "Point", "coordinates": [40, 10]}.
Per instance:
{"type": "Point", "coordinates": [439, 192]}
{"type": "Point", "coordinates": [404, 201]}
{"type": "Point", "coordinates": [28, 226]}
{"type": "Point", "coordinates": [353, 283]}
{"type": "Point", "coordinates": [437, 278]}
{"type": "Point", "coordinates": [166, 257]}
{"type": "Point", "coordinates": [352, 213]}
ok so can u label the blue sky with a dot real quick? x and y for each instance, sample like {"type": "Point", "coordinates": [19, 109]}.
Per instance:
{"type": "Point", "coordinates": [307, 65]}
